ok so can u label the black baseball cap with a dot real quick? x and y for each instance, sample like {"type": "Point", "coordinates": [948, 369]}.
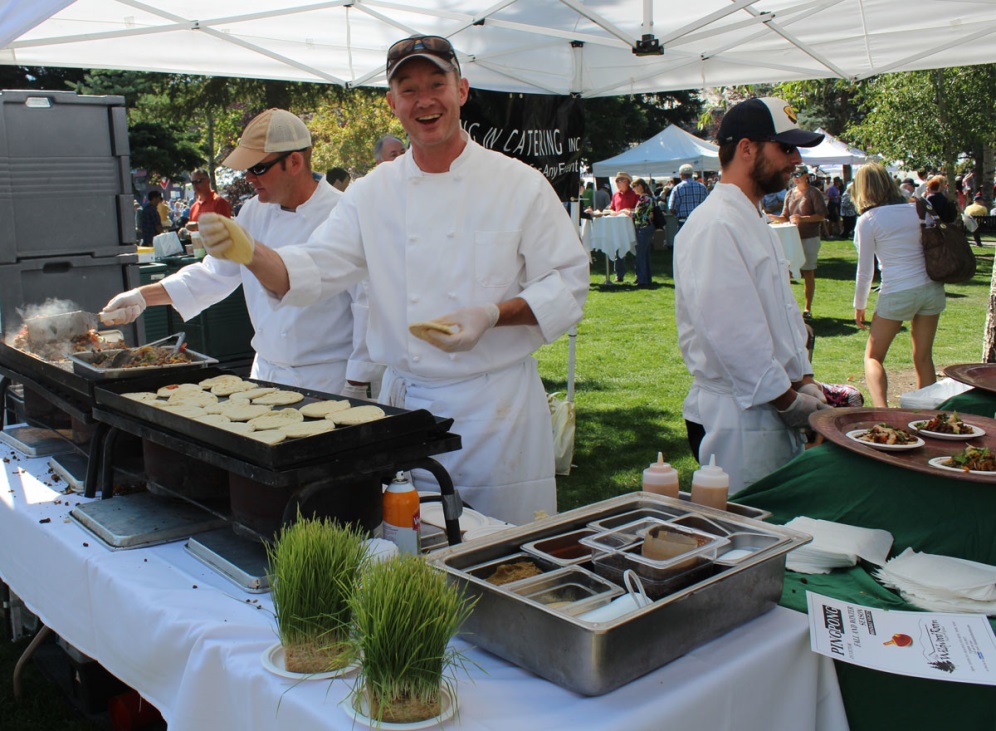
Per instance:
{"type": "Point", "coordinates": [433, 48]}
{"type": "Point", "coordinates": [765, 118]}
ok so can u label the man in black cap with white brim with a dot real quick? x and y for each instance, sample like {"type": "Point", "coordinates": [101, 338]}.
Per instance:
{"type": "Point", "coordinates": [739, 327]}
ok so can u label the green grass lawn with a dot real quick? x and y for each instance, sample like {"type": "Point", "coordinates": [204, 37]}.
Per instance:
{"type": "Point", "coordinates": [631, 380]}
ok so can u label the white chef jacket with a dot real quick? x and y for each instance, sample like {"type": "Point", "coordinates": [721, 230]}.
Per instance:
{"type": "Point", "coordinates": [307, 347]}
{"type": "Point", "coordinates": [488, 230]}
{"type": "Point", "coordinates": [740, 332]}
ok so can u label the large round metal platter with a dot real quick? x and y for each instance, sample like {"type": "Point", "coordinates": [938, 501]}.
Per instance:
{"type": "Point", "coordinates": [855, 434]}
{"type": "Point", "coordinates": [977, 375]}
{"type": "Point", "coordinates": [834, 424]}
{"type": "Point", "coordinates": [976, 432]}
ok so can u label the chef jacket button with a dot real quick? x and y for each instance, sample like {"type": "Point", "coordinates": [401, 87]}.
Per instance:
{"type": "Point", "coordinates": [450, 234]}
{"type": "Point", "coordinates": [451, 295]}
{"type": "Point", "coordinates": [453, 356]}
{"type": "Point", "coordinates": [416, 358]}
{"type": "Point", "coordinates": [414, 299]}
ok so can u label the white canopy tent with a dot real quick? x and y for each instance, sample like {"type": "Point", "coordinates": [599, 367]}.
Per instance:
{"type": "Point", "coordinates": [833, 151]}
{"type": "Point", "coordinates": [586, 47]}
{"type": "Point", "coordinates": [662, 155]}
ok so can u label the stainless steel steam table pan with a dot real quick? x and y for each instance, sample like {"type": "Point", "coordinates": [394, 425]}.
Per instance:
{"type": "Point", "coordinates": [593, 658]}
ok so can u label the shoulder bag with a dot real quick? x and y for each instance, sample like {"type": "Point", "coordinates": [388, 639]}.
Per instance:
{"type": "Point", "coordinates": [946, 251]}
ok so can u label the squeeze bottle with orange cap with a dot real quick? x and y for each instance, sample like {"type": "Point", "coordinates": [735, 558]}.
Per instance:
{"type": "Point", "coordinates": [661, 478]}
{"type": "Point", "coordinates": [711, 485]}
{"type": "Point", "coordinates": [402, 515]}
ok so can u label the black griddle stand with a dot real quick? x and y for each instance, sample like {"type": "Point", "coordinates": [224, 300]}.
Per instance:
{"type": "Point", "coordinates": [76, 407]}
{"type": "Point", "coordinates": [383, 457]}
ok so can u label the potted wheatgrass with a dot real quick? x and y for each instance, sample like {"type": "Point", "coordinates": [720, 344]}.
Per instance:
{"type": "Point", "coordinates": [314, 570]}
{"type": "Point", "coordinates": [405, 613]}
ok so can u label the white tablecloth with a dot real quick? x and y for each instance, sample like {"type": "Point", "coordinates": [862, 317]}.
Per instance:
{"type": "Point", "coordinates": [190, 642]}
{"type": "Point", "coordinates": [612, 235]}
{"type": "Point", "coordinates": [788, 234]}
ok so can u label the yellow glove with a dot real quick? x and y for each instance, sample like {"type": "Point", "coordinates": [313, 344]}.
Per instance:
{"type": "Point", "coordinates": [225, 239]}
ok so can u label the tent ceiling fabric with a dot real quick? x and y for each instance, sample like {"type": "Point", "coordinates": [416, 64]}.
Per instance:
{"type": "Point", "coordinates": [534, 46]}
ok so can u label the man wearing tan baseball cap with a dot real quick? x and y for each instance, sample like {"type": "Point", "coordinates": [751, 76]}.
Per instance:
{"type": "Point", "coordinates": [309, 347]}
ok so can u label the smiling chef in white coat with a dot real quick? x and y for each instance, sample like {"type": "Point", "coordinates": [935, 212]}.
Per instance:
{"type": "Point", "coordinates": [466, 237]}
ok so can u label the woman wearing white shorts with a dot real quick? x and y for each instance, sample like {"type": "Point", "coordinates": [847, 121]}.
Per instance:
{"type": "Point", "coordinates": [888, 229]}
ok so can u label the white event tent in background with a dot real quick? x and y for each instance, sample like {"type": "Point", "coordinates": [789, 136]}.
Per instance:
{"type": "Point", "coordinates": [833, 152]}
{"type": "Point", "coordinates": [587, 47]}
{"type": "Point", "coordinates": [662, 155]}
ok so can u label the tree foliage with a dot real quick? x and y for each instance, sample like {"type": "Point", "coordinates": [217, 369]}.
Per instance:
{"type": "Point", "coordinates": [926, 117]}
{"type": "Point", "coordinates": [614, 124]}
{"type": "Point", "coordinates": [345, 128]}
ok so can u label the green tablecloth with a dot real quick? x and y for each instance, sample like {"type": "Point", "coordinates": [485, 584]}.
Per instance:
{"type": "Point", "coordinates": [976, 401]}
{"type": "Point", "coordinates": [932, 514]}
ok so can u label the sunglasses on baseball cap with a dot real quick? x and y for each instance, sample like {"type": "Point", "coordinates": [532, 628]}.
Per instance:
{"type": "Point", "coordinates": [433, 48]}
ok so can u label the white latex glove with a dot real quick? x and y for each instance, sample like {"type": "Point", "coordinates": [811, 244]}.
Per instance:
{"type": "Point", "coordinates": [123, 308]}
{"type": "Point", "coordinates": [224, 238]}
{"type": "Point", "coordinates": [468, 325]}
{"type": "Point", "coordinates": [796, 416]}
{"type": "Point", "coordinates": [813, 389]}
{"type": "Point", "coordinates": [355, 390]}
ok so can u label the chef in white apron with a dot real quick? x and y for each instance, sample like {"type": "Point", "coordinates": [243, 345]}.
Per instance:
{"type": "Point", "coordinates": [468, 238]}
{"type": "Point", "coordinates": [739, 327]}
{"type": "Point", "coordinates": [316, 347]}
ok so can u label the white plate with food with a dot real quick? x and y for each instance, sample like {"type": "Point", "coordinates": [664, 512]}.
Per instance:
{"type": "Point", "coordinates": [972, 460]}
{"type": "Point", "coordinates": [432, 513]}
{"type": "Point", "coordinates": [946, 426]}
{"type": "Point", "coordinates": [902, 441]}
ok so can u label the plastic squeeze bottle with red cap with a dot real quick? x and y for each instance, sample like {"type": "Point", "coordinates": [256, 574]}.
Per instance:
{"type": "Point", "coordinates": [661, 478]}
{"type": "Point", "coordinates": [711, 485]}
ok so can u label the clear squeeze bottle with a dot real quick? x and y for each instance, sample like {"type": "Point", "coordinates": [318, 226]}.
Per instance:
{"type": "Point", "coordinates": [661, 478]}
{"type": "Point", "coordinates": [401, 515]}
{"type": "Point", "coordinates": [711, 485]}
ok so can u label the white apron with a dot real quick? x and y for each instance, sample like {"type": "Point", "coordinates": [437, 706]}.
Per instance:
{"type": "Point", "coordinates": [748, 443]}
{"type": "Point", "coordinates": [325, 377]}
{"type": "Point", "coordinates": [505, 468]}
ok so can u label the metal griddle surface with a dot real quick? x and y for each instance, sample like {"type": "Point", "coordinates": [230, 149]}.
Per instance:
{"type": "Point", "coordinates": [398, 427]}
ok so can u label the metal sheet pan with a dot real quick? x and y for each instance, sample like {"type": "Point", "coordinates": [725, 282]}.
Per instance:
{"type": "Point", "coordinates": [593, 658]}
{"type": "Point", "coordinates": [84, 365]}
{"type": "Point", "coordinates": [399, 426]}
{"type": "Point", "coordinates": [835, 423]}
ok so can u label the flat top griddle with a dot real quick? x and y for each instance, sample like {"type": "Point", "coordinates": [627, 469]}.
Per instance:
{"type": "Point", "coordinates": [398, 428]}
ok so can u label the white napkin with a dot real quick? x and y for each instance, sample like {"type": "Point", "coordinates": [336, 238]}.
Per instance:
{"type": "Point", "coordinates": [836, 545]}
{"type": "Point", "coordinates": [941, 583]}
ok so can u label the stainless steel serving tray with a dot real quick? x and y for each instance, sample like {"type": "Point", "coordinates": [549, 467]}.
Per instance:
{"type": "Point", "coordinates": [84, 365]}
{"type": "Point", "coordinates": [593, 658]}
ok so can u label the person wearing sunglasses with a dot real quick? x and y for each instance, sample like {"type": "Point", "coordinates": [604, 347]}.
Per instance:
{"type": "Point", "coordinates": [472, 266]}
{"type": "Point", "coordinates": [806, 208]}
{"type": "Point", "coordinates": [206, 199]}
{"type": "Point", "coordinates": [320, 347]}
{"type": "Point", "coordinates": [740, 330]}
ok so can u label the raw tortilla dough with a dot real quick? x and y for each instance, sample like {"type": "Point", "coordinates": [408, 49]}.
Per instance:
{"type": "Point", "coordinates": [251, 393]}
{"type": "Point", "coordinates": [224, 378]}
{"type": "Point", "coordinates": [167, 391]}
{"type": "Point", "coordinates": [237, 411]}
{"type": "Point", "coordinates": [269, 436]}
{"type": "Point", "coordinates": [280, 398]}
{"type": "Point", "coordinates": [307, 428]}
{"type": "Point", "coordinates": [276, 419]}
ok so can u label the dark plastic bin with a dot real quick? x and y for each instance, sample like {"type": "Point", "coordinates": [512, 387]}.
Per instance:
{"type": "Point", "coordinates": [87, 281]}
{"type": "Point", "coordinates": [65, 178]}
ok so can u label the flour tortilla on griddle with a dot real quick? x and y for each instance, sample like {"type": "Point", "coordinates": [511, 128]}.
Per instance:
{"type": "Point", "coordinates": [321, 409]}
{"type": "Point", "coordinates": [356, 415]}
{"type": "Point", "coordinates": [276, 419]}
{"type": "Point", "coordinates": [307, 428]}
{"type": "Point", "coordinates": [280, 397]}
{"type": "Point", "coordinates": [251, 393]}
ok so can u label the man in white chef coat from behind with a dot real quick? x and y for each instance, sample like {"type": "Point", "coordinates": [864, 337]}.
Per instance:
{"type": "Point", "coordinates": [316, 347]}
{"type": "Point", "coordinates": [471, 240]}
{"type": "Point", "coordinates": [739, 327]}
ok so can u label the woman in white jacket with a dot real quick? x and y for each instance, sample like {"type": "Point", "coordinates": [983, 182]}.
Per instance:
{"type": "Point", "coordinates": [888, 229]}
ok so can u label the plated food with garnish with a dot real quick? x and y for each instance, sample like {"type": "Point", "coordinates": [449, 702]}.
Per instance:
{"type": "Point", "coordinates": [947, 426]}
{"type": "Point", "coordinates": [887, 437]}
{"type": "Point", "coordinates": [978, 460]}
